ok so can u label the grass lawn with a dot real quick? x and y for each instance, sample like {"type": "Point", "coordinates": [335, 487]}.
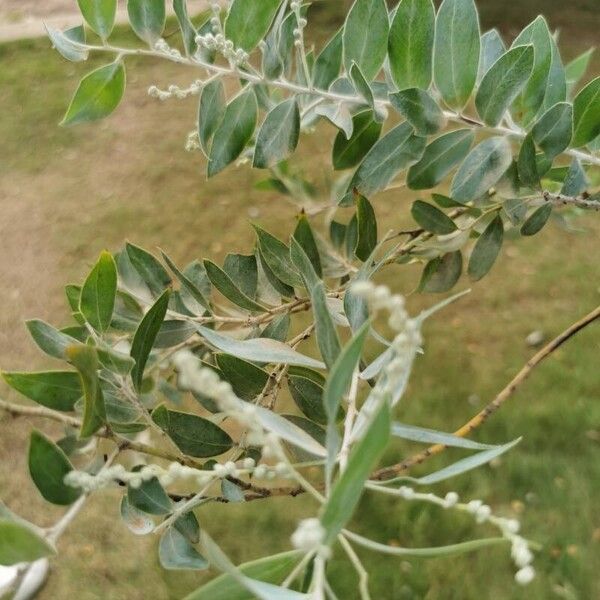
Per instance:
{"type": "Point", "coordinates": [67, 193]}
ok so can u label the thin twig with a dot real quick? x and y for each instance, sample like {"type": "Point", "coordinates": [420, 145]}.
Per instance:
{"type": "Point", "coordinates": [482, 416]}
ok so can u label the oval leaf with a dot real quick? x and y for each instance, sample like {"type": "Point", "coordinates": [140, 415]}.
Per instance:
{"type": "Point", "coordinates": [502, 83]}
{"type": "Point", "coordinates": [486, 249]}
{"type": "Point", "coordinates": [48, 465]}
{"type": "Point", "coordinates": [482, 169]}
{"type": "Point", "coordinates": [439, 158]}
{"type": "Point", "coordinates": [278, 136]}
{"type": "Point", "coordinates": [98, 94]}
{"type": "Point", "coordinates": [234, 131]}
{"type": "Point", "coordinates": [456, 53]}
{"type": "Point", "coordinates": [365, 36]}
{"type": "Point", "coordinates": [97, 299]}
{"type": "Point", "coordinates": [410, 45]}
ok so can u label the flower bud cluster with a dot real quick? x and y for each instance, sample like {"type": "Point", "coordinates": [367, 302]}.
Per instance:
{"type": "Point", "coordinates": [175, 472]}
{"type": "Point", "coordinates": [509, 528]}
{"type": "Point", "coordinates": [202, 380]}
{"type": "Point", "coordinates": [309, 537]}
{"type": "Point", "coordinates": [164, 48]}
{"type": "Point", "coordinates": [301, 22]}
{"type": "Point", "coordinates": [225, 47]}
{"type": "Point", "coordinates": [192, 142]}
{"type": "Point", "coordinates": [174, 91]}
{"type": "Point", "coordinates": [215, 20]}
{"type": "Point", "coordinates": [405, 345]}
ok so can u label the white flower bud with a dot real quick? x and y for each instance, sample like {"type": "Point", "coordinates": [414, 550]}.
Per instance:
{"type": "Point", "coordinates": [450, 500]}
{"type": "Point", "coordinates": [525, 575]}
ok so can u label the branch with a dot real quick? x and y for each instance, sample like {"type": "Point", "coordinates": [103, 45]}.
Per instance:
{"type": "Point", "coordinates": [17, 410]}
{"type": "Point", "coordinates": [482, 416]}
{"type": "Point", "coordinates": [233, 71]}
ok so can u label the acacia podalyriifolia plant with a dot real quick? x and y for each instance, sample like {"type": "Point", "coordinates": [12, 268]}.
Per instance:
{"type": "Point", "coordinates": [179, 375]}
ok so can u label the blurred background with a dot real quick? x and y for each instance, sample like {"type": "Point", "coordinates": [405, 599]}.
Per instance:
{"type": "Point", "coordinates": [65, 194]}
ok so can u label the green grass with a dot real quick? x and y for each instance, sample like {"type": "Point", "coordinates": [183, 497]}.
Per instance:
{"type": "Point", "coordinates": [67, 193]}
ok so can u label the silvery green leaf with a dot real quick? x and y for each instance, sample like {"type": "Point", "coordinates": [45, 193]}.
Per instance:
{"type": "Point", "coordinates": [210, 112]}
{"type": "Point", "coordinates": [48, 466]}
{"type": "Point", "coordinates": [554, 129]}
{"type": "Point", "coordinates": [410, 44]}
{"type": "Point", "coordinates": [431, 436]}
{"type": "Point", "coordinates": [222, 282]}
{"type": "Point", "coordinates": [531, 99]}
{"type": "Point", "coordinates": [150, 498]}
{"type": "Point", "coordinates": [258, 589]}
{"type": "Point", "coordinates": [176, 552]}
{"type": "Point", "coordinates": [395, 151]}
{"type": "Point", "coordinates": [486, 249]}
{"type": "Point", "coordinates": [365, 36]}
{"type": "Point", "coordinates": [439, 158]}
{"type": "Point", "coordinates": [152, 273]}
{"type": "Point", "coordinates": [328, 63]}
{"type": "Point", "coordinates": [145, 335]}
{"type": "Point", "coordinates": [248, 21]}
{"type": "Point", "coordinates": [278, 136]}
{"type": "Point", "coordinates": [308, 396]}
{"type": "Point", "coordinates": [466, 464]}
{"type": "Point", "coordinates": [289, 432]}
{"type": "Point", "coordinates": [69, 42]}
{"type": "Point", "coordinates": [21, 543]}
{"type": "Point", "coordinates": [194, 282]}
{"type": "Point", "coordinates": [97, 299]}
{"type": "Point", "coordinates": [147, 18]}
{"type": "Point", "coordinates": [419, 109]}
{"type": "Point", "coordinates": [271, 569]}
{"type": "Point", "coordinates": [433, 552]}
{"type": "Point", "coordinates": [246, 379]}
{"type": "Point", "coordinates": [347, 490]}
{"type": "Point", "coordinates": [363, 88]}
{"type": "Point", "coordinates": [99, 15]}
{"type": "Point", "coordinates": [536, 221]}
{"type": "Point", "coordinates": [233, 132]}
{"type": "Point", "coordinates": [85, 360]}
{"type": "Point", "coordinates": [431, 218]}
{"type": "Point", "coordinates": [188, 31]}
{"type": "Point", "coordinates": [482, 169]}
{"type": "Point", "coordinates": [173, 332]}
{"type": "Point", "coordinates": [342, 370]}
{"type": "Point", "coordinates": [259, 349]}
{"type": "Point", "coordinates": [304, 265]}
{"type": "Point", "coordinates": [277, 256]}
{"type": "Point", "coordinates": [556, 85]}
{"type": "Point", "coordinates": [339, 115]}
{"type": "Point", "coordinates": [326, 334]}
{"type": "Point", "coordinates": [98, 94]}
{"type": "Point", "coordinates": [193, 435]}
{"type": "Point", "coordinates": [137, 521]}
{"type": "Point", "coordinates": [586, 114]}
{"type": "Point", "coordinates": [503, 82]}
{"type": "Point", "coordinates": [367, 228]}
{"type": "Point", "coordinates": [576, 180]}
{"type": "Point", "coordinates": [304, 235]}
{"type": "Point", "coordinates": [577, 68]}
{"type": "Point", "coordinates": [113, 360]}
{"type": "Point", "coordinates": [278, 328]}
{"type": "Point", "coordinates": [58, 390]}
{"type": "Point", "coordinates": [242, 269]}
{"type": "Point", "coordinates": [456, 51]}
{"type": "Point", "coordinates": [441, 273]}
{"type": "Point", "coordinates": [348, 152]}
{"type": "Point", "coordinates": [492, 48]}
{"type": "Point", "coordinates": [527, 163]}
